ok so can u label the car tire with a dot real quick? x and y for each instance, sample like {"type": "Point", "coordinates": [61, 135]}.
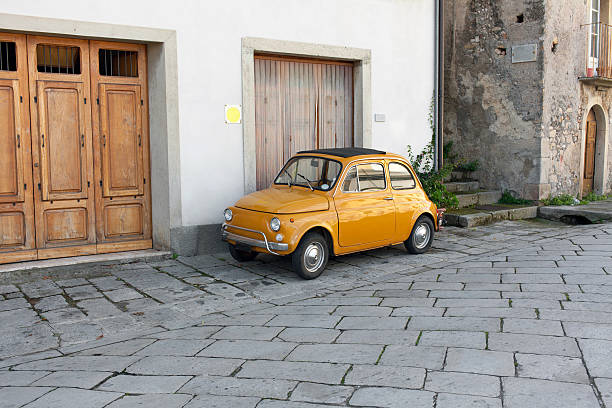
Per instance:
{"type": "Point", "coordinates": [240, 255]}
{"type": "Point", "coordinates": [310, 257]}
{"type": "Point", "coordinates": [421, 237]}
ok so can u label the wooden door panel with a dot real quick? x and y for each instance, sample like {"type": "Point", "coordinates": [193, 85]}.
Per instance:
{"type": "Point", "coordinates": [589, 157]}
{"type": "Point", "coordinates": [66, 224]}
{"type": "Point", "coordinates": [17, 227]}
{"type": "Point", "coordinates": [121, 148]}
{"type": "Point", "coordinates": [11, 152]}
{"type": "Point", "coordinates": [62, 151]}
{"type": "Point", "coordinates": [62, 140]}
{"type": "Point", "coordinates": [12, 229]}
{"type": "Point", "coordinates": [590, 150]}
{"type": "Point", "coordinates": [123, 220]}
{"type": "Point", "coordinates": [300, 104]}
{"type": "Point", "coordinates": [121, 128]}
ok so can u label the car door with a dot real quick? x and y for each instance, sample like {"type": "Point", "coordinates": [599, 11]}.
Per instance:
{"type": "Point", "coordinates": [406, 197]}
{"type": "Point", "coordinates": [364, 204]}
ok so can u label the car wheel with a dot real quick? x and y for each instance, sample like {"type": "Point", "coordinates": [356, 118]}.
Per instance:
{"type": "Point", "coordinates": [240, 255]}
{"type": "Point", "coordinates": [310, 257]}
{"type": "Point", "coordinates": [421, 237]}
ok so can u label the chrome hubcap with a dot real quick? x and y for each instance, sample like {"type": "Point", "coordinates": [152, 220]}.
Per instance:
{"type": "Point", "coordinates": [422, 235]}
{"type": "Point", "coordinates": [313, 257]}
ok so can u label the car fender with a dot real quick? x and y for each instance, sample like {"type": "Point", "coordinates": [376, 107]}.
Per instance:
{"type": "Point", "coordinates": [428, 208]}
{"type": "Point", "coordinates": [303, 223]}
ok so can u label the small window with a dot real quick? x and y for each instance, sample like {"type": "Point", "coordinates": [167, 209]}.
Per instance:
{"type": "Point", "coordinates": [58, 59]}
{"type": "Point", "coordinates": [8, 56]}
{"type": "Point", "coordinates": [401, 177]}
{"type": "Point", "coordinates": [350, 184]}
{"type": "Point", "coordinates": [364, 177]}
{"type": "Point", "coordinates": [118, 63]}
{"type": "Point", "coordinates": [371, 177]}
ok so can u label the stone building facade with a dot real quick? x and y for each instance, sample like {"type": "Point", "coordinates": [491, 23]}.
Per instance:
{"type": "Point", "coordinates": [524, 87]}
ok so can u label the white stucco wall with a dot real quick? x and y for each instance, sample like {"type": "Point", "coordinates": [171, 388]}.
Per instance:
{"type": "Point", "coordinates": [400, 34]}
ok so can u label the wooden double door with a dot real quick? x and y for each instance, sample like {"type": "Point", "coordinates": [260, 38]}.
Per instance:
{"type": "Point", "coordinates": [589, 154]}
{"type": "Point", "coordinates": [74, 148]}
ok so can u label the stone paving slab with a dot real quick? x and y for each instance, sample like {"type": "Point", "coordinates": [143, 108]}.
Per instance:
{"type": "Point", "coordinates": [519, 304]}
{"type": "Point", "coordinates": [245, 387]}
{"type": "Point", "coordinates": [292, 370]}
{"type": "Point", "coordinates": [523, 392]}
{"type": "Point", "coordinates": [144, 384]}
{"type": "Point", "coordinates": [152, 401]}
{"type": "Point", "coordinates": [19, 396]}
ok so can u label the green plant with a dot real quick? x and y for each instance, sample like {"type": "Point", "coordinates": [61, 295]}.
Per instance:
{"type": "Point", "coordinates": [566, 199]}
{"type": "Point", "coordinates": [468, 167]}
{"type": "Point", "coordinates": [432, 180]}
{"type": "Point", "coordinates": [508, 198]}
{"type": "Point", "coordinates": [447, 152]}
{"type": "Point", "coordinates": [460, 164]}
{"type": "Point", "coordinates": [595, 197]}
{"type": "Point", "coordinates": [562, 199]}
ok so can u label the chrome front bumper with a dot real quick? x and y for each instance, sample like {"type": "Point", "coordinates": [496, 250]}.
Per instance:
{"type": "Point", "coordinates": [271, 247]}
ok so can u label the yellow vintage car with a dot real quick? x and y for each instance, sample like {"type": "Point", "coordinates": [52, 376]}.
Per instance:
{"type": "Point", "coordinates": [331, 202]}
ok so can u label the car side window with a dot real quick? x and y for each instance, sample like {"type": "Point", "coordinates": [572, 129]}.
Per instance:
{"type": "Point", "coordinates": [350, 185]}
{"type": "Point", "coordinates": [401, 177]}
{"type": "Point", "coordinates": [371, 177]}
{"type": "Point", "coordinates": [364, 177]}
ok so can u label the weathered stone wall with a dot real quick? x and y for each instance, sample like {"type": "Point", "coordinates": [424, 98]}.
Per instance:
{"type": "Point", "coordinates": [525, 122]}
{"type": "Point", "coordinates": [493, 108]}
{"type": "Point", "coordinates": [564, 59]}
{"type": "Point", "coordinates": [567, 100]}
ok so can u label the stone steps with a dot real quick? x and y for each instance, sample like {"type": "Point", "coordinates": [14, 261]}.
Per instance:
{"type": "Point", "coordinates": [478, 198]}
{"type": "Point", "coordinates": [485, 217]}
{"type": "Point", "coordinates": [462, 186]}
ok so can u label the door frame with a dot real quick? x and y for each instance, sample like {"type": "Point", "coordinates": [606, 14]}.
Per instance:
{"type": "Point", "coordinates": [362, 88]}
{"type": "Point", "coordinates": [162, 85]}
{"type": "Point", "coordinates": [600, 180]}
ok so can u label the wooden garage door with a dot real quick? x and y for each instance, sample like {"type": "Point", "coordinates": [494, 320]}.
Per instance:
{"type": "Point", "coordinates": [73, 179]}
{"type": "Point", "coordinates": [300, 104]}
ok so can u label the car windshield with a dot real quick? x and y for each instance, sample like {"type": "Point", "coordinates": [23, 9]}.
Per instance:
{"type": "Point", "coordinates": [310, 172]}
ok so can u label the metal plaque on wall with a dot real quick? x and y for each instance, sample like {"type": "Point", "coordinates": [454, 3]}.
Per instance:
{"type": "Point", "coordinates": [524, 53]}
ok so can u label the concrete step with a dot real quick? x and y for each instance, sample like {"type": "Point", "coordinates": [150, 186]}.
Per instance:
{"type": "Point", "coordinates": [457, 176]}
{"type": "Point", "coordinates": [486, 216]}
{"type": "Point", "coordinates": [594, 212]}
{"type": "Point", "coordinates": [462, 186]}
{"type": "Point", "coordinates": [74, 267]}
{"type": "Point", "coordinates": [478, 198]}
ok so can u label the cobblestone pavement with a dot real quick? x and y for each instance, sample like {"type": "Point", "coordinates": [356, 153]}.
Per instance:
{"type": "Point", "coordinates": [515, 313]}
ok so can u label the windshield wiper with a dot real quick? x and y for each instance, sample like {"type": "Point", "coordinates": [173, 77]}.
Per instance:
{"type": "Point", "coordinates": [308, 181]}
{"type": "Point", "coordinates": [290, 178]}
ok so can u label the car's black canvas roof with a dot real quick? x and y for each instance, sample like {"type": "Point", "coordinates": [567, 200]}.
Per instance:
{"type": "Point", "coordinates": [344, 151]}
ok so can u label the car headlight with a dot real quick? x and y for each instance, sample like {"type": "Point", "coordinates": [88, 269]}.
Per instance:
{"type": "Point", "coordinates": [228, 214]}
{"type": "Point", "coordinates": [275, 224]}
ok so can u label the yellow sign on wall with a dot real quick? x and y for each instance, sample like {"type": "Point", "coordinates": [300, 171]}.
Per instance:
{"type": "Point", "coordinates": [233, 113]}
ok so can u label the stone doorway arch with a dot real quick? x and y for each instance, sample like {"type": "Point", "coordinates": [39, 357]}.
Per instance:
{"type": "Point", "coordinates": [593, 167]}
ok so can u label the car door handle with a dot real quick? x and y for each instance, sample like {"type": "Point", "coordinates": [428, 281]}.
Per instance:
{"type": "Point", "coordinates": [388, 198]}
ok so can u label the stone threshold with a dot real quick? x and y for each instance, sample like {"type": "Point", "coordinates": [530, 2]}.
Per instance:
{"type": "Point", "coordinates": [22, 271]}
{"type": "Point", "coordinates": [488, 217]}
{"type": "Point", "coordinates": [595, 212]}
